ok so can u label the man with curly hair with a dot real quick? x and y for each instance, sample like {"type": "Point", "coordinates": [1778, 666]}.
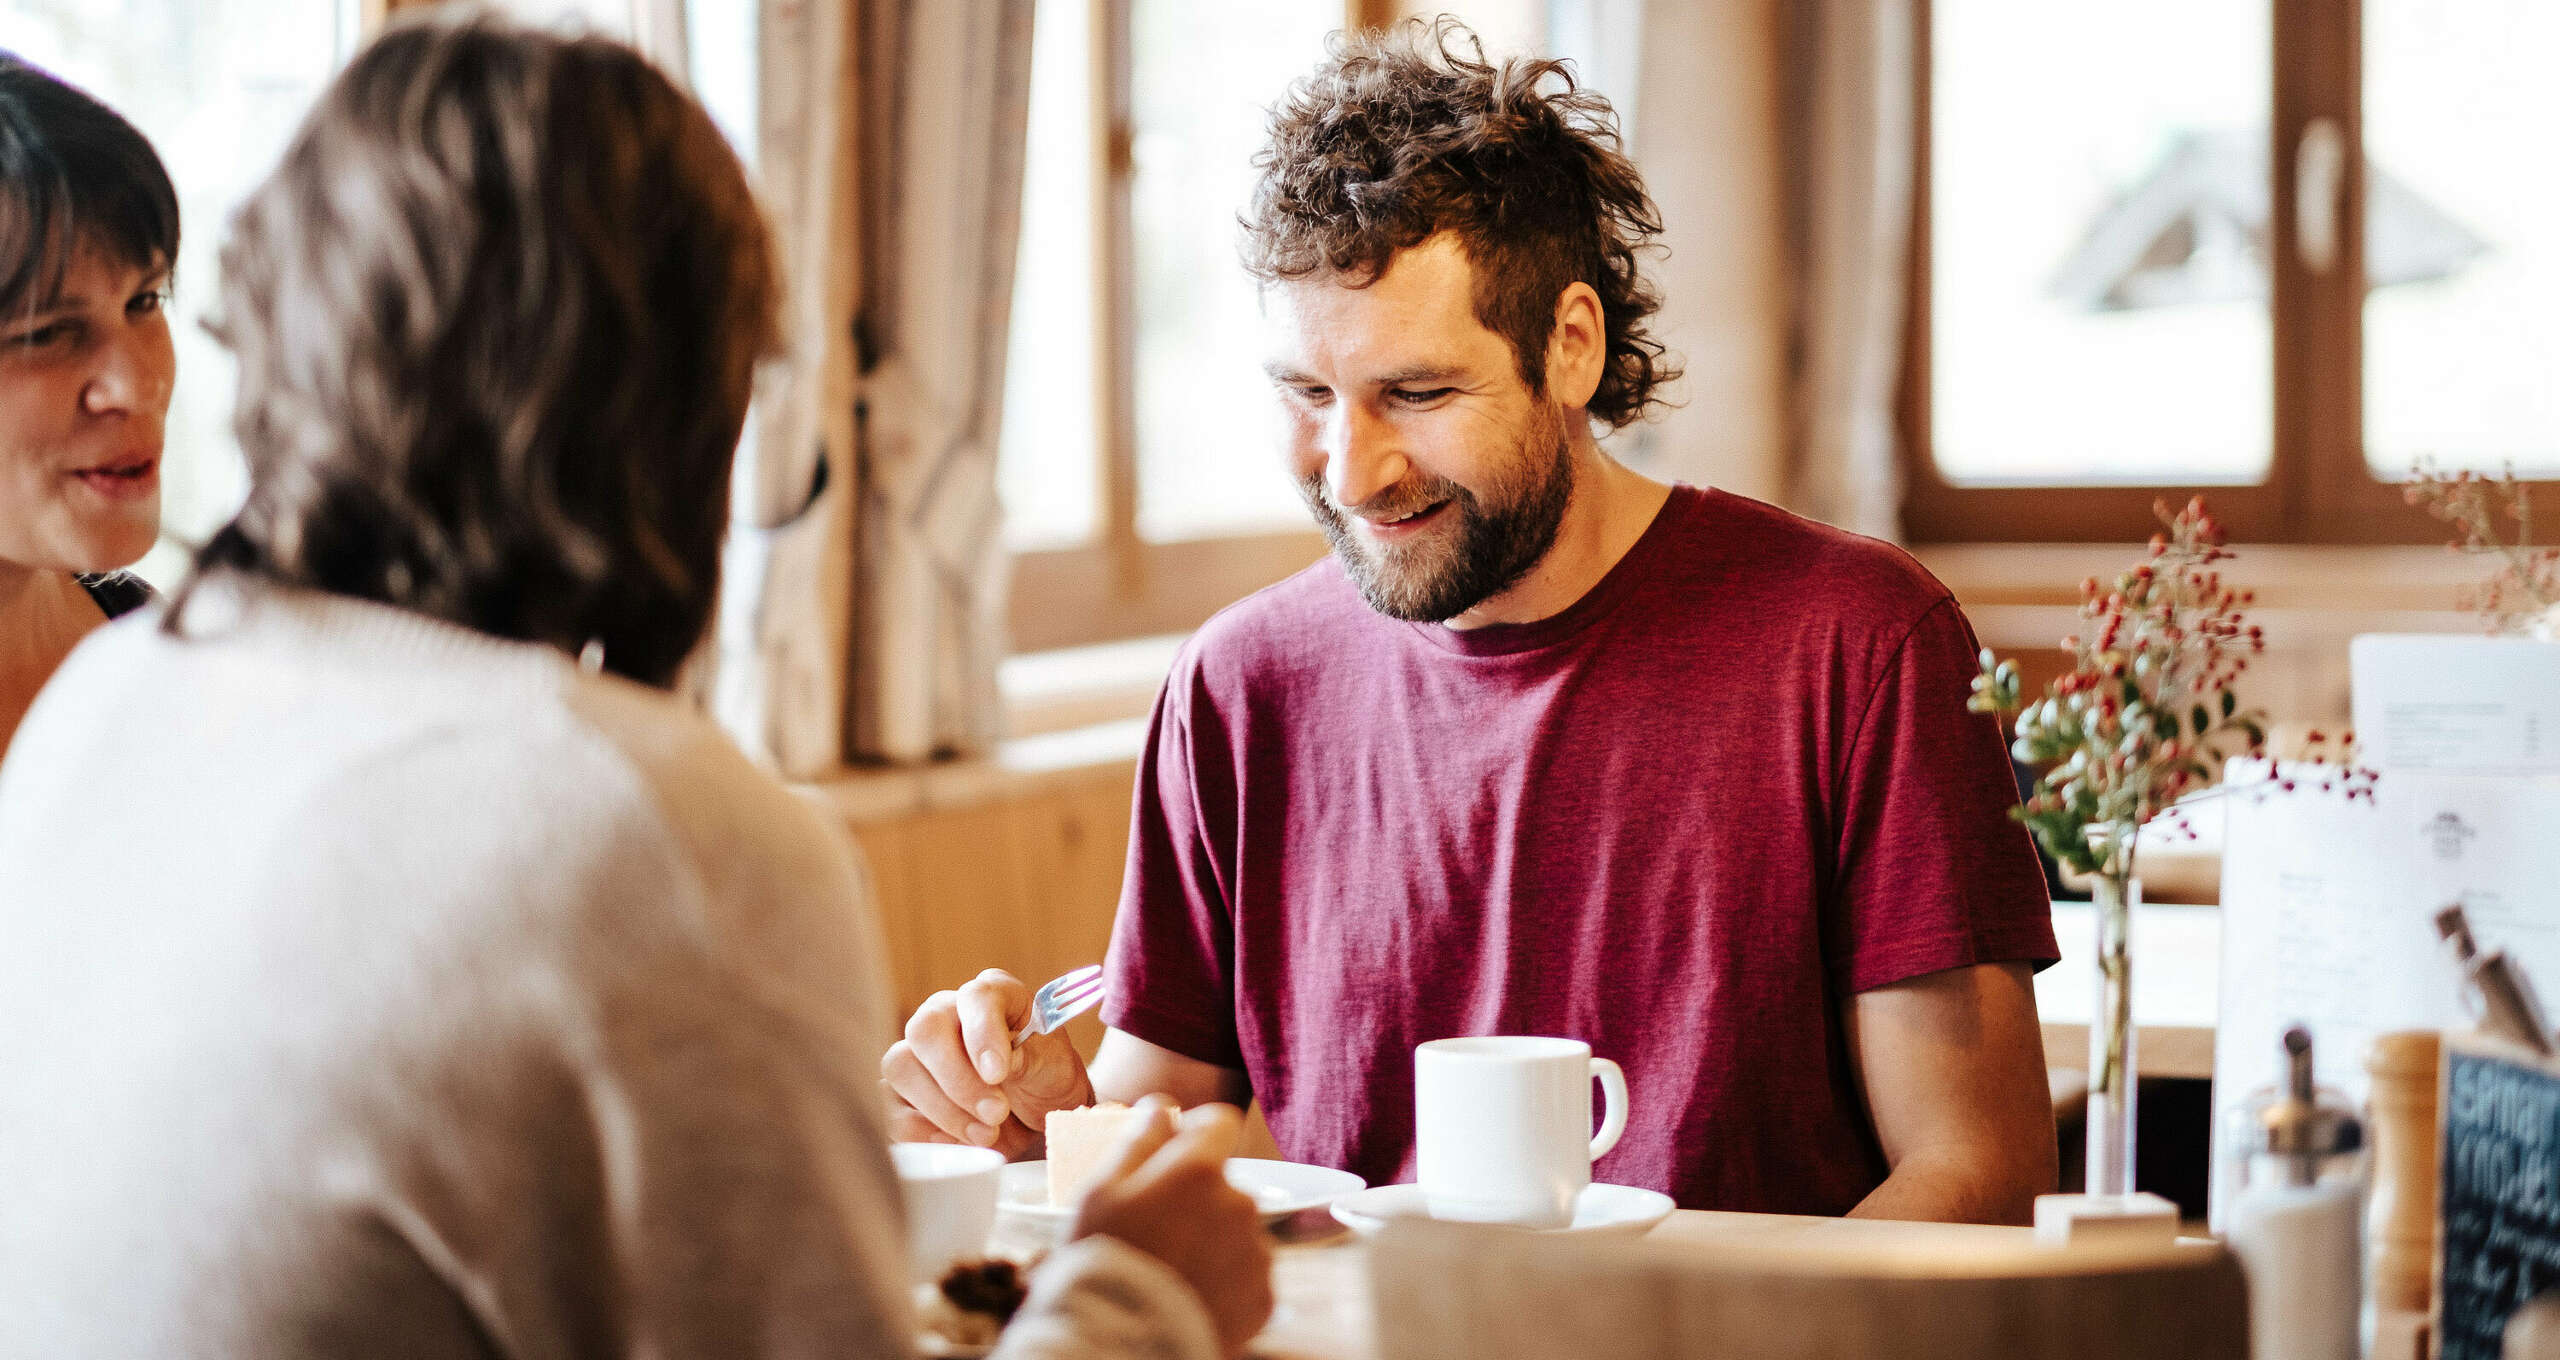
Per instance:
{"type": "Point", "coordinates": [1546, 746]}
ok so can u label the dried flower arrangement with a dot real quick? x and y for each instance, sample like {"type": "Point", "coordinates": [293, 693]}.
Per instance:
{"type": "Point", "coordinates": [2523, 597]}
{"type": "Point", "coordinates": [2147, 713]}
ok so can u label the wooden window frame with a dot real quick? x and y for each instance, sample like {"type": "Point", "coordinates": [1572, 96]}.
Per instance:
{"type": "Point", "coordinates": [1120, 584]}
{"type": "Point", "coordinates": [2317, 488]}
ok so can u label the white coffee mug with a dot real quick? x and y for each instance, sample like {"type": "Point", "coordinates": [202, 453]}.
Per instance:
{"type": "Point", "coordinates": [1502, 1127]}
{"type": "Point", "coordinates": [951, 1194]}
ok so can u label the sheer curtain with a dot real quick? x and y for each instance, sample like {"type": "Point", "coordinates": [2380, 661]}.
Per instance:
{"type": "Point", "coordinates": [1848, 136]}
{"type": "Point", "coordinates": [864, 618]}
{"type": "Point", "coordinates": [891, 140]}
{"type": "Point", "coordinates": [946, 89]}
{"type": "Point", "coordinates": [787, 606]}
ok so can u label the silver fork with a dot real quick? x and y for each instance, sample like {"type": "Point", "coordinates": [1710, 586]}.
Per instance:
{"type": "Point", "coordinates": [1063, 998]}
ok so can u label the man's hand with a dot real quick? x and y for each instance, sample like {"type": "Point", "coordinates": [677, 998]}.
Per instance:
{"type": "Point", "coordinates": [1166, 1194]}
{"type": "Point", "coordinates": [958, 1078]}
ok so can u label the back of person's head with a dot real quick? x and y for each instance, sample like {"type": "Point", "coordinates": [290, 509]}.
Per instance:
{"type": "Point", "coordinates": [498, 313]}
{"type": "Point", "coordinates": [1408, 132]}
{"type": "Point", "coordinates": [74, 175]}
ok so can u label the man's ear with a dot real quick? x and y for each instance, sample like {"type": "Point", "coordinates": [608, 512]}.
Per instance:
{"type": "Point", "coordinates": [1578, 347]}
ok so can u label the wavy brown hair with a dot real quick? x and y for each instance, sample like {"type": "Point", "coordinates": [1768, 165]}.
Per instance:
{"type": "Point", "coordinates": [1407, 132]}
{"type": "Point", "coordinates": [498, 313]}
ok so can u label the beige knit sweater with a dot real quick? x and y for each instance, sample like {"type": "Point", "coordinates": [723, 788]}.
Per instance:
{"type": "Point", "coordinates": [372, 987]}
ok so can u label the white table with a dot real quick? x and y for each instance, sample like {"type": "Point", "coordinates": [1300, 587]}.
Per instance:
{"type": "Point", "coordinates": [2177, 970]}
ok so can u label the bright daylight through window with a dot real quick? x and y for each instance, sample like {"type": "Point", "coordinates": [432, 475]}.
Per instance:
{"type": "Point", "coordinates": [2462, 337]}
{"type": "Point", "coordinates": [219, 87]}
{"type": "Point", "coordinates": [2099, 302]}
{"type": "Point", "coordinates": [2099, 298]}
{"type": "Point", "coordinates": [1201, 78]}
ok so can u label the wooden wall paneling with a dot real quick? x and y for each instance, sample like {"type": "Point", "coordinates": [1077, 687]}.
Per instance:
{"type": "Point", "coordinates": [968, 899]}
{"type": "Point", "coordinates": [1027, 882]}
{"type": "Point", "coordinates": [1072, 872]}
{"type": "Point", "coordinates": [884, 845]}
{"type": "Point", "coordinates": [1070, 843]}
{"type": "Point", "coordinates": [1031, 844]}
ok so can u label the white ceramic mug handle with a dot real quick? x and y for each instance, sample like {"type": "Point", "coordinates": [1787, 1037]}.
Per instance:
{"type": "Point", "coordinates": [1613, 1117]}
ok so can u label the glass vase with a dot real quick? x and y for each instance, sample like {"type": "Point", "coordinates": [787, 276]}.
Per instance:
{"type": "Point", "coordinates": [2114, 893]}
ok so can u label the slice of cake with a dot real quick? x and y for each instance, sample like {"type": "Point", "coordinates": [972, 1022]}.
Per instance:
{"type": "Point", "coordinates": [1081, 1143]}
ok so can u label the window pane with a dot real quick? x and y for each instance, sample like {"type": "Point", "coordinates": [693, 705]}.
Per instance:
{"type": "Point", "coordinates": [2098, 297]}
{"type": "Point", "coordinates": [2462, 232]}
{"type": "Point", "coordinates": [720, 58]}
{"type": "Point", "coordinates": [218, 86]}
{"type": "Point", "coordinates": [1203, 78]}
{"type": "Point", "coordinates": [1046, 471]}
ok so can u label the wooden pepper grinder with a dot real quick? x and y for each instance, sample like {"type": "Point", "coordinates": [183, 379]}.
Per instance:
{"type": "Point", "coordinates": [2400, 1225]}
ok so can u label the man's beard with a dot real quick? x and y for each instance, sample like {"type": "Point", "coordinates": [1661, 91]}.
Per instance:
{"type": "Point", "coordinates": [1492, 542]}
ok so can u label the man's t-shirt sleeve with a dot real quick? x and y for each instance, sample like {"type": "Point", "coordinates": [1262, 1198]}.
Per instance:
{"type": "Point", "coordinates": [1171, 968]}
{"type": "Point", "coordinates": [1931, 871]}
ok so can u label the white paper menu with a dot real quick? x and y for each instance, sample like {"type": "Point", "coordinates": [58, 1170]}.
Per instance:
{"type": "Point", "coordinates": [2457, 703]}
{"type": "Point", "coordinates": [2328, 910]}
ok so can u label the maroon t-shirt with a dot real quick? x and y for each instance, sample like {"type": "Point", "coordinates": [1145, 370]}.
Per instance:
{"type": "Point", "coordinates": [1681, 820]}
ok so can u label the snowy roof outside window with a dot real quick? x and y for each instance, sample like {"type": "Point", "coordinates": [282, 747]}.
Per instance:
{"type": "Point", "coordinates": [2194, 229]}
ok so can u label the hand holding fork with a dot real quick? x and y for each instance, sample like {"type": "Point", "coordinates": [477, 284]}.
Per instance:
{"type": "Point", "coordinates": [984, 1065]}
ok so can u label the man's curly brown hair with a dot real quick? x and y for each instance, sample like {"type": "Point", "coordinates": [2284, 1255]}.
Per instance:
{"type": "Point", "coordinates": [1407, 132]}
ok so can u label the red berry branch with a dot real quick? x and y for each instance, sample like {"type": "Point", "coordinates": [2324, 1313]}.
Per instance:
{"type": "Point", "coordinates": [2148, 712]}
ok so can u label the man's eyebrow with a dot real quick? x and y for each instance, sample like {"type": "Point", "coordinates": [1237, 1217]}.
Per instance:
{"type": "Point", "coordinates": [1422, 375]}
{"type": "Point", "coordinates": [1411, 375]}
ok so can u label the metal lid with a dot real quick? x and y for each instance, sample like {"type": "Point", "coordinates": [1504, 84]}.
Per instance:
{"type": "Point", "coordinates": [2298, 1125]}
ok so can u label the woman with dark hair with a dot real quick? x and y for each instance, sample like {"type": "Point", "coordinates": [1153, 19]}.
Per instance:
{"type": "Point", "coordinates": [88, 232]}
{"type": "Point", "coordinates": [470, 996]}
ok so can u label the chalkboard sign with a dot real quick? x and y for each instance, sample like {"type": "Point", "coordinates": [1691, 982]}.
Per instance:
{"type": "Point", "coordinates": [2498, 1194]}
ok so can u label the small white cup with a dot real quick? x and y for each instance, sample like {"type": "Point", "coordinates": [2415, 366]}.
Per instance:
{"type": "Point", "coordinates": [1502, 1127]}
{"type": "Point", "coordinates": [951, 1194]}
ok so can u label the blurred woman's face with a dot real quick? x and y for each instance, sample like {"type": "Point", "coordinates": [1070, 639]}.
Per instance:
{"type": "Point", "coordinates": [84, 396]}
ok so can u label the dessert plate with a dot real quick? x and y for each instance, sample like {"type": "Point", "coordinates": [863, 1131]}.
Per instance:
{"type": "Point", "coordinates": [1601, 1211]}
{"type": "Point", "coordinates": [1279, 1189]}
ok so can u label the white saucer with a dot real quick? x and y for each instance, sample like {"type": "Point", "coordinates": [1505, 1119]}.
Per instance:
{"type": "Point", "coordinates": [1602, 1210]}
{"type": "Point", "coordinates": [1279, 1189]}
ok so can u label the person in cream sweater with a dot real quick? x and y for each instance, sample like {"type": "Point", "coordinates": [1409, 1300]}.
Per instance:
{"type": "Point", "coordinates": [376, 978]}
